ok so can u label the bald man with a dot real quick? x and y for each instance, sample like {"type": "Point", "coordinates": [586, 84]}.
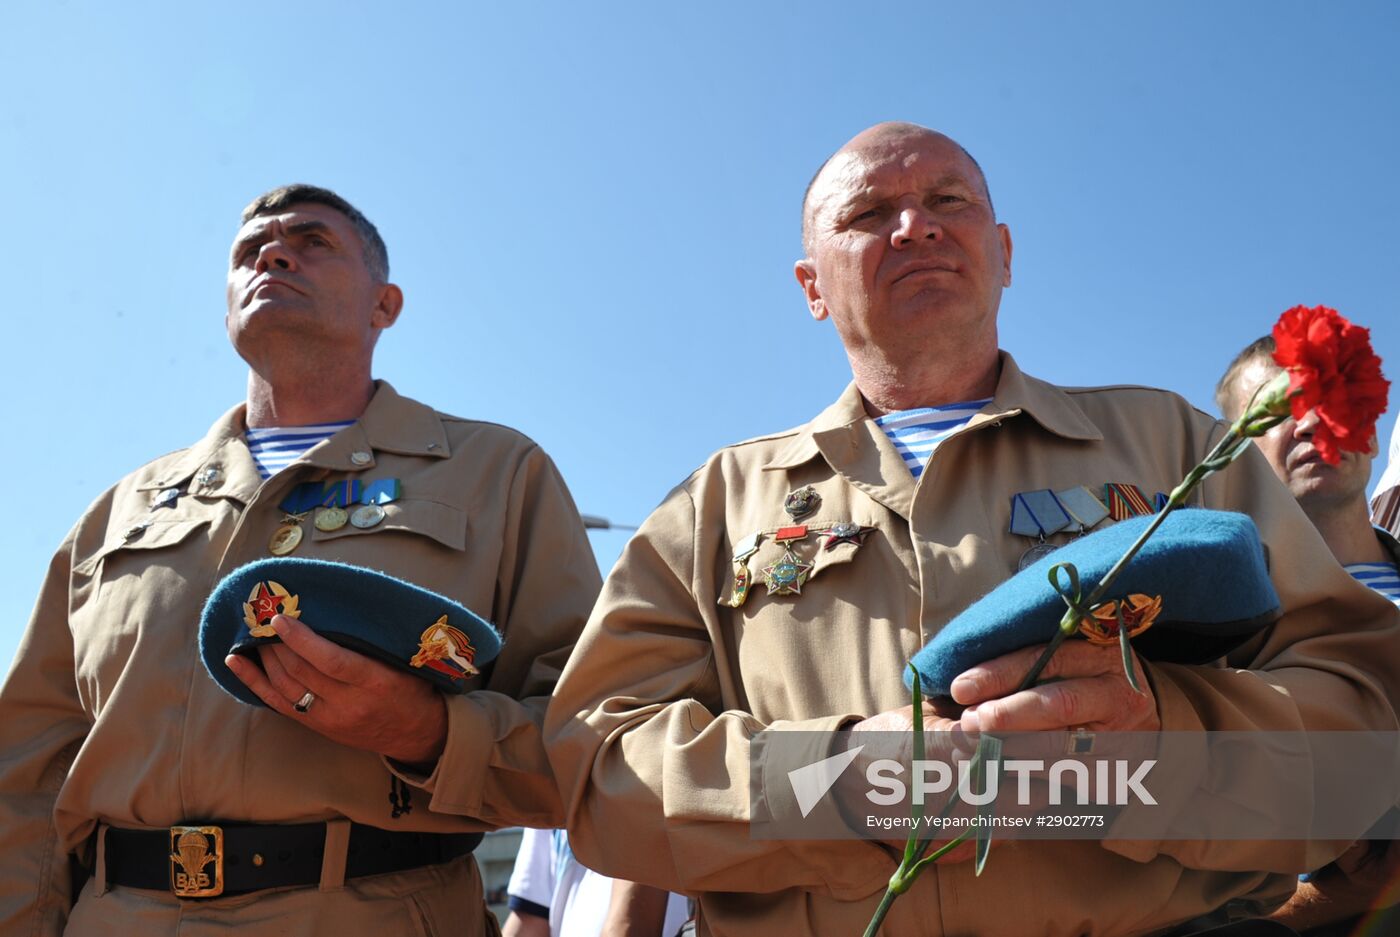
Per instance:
{"type": "Point", "coordinates": [786, 582]}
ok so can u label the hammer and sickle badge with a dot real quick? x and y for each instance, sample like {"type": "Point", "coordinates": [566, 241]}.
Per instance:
{"type": "Point", "coordinates": [267, 600]}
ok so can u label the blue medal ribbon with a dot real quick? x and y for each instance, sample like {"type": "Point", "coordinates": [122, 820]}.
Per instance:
{"type": "Point", "coordinates": [382, 491]}
{"type": "Point", "coordinates": [1037, 513]}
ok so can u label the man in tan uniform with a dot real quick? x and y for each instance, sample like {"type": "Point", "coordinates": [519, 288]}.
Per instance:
{"type": "Point", "coordinates": [369, 795]}
{"type": "Point", "coordinates": [688, 655]}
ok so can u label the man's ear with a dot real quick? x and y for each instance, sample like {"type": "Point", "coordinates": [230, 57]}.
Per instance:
{"type": "Point", "coordinates": [1005, 233]}
{"type": "Point", "coordinates": [807, 279]}
{"type": "Point", "coordinates": [387, 309]}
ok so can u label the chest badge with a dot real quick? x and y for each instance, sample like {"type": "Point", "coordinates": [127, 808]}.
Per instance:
{"type": "Point", "coordinates": [739, 593]}
{"type": "Point", "coordinates": [789, 574]}
{"type": "Point", "coordinates": [798, 504]}
{"type": "Point", "coordinates": [845, 532]}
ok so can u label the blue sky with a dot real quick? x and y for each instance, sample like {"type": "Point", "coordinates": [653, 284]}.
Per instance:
{"type": "Point", "coordinates": [593, 209]}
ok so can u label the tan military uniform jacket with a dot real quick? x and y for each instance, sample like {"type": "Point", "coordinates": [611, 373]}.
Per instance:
{"type": "Point", "coordinates": [109, 716]}
{"type": "Point", "coordinates": [650, 727]}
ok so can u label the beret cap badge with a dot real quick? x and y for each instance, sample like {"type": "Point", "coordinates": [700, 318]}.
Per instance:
{"type": "Point", "coordinates": [268, 599]}
{"type": "Point", "coordinates": [447, 650]}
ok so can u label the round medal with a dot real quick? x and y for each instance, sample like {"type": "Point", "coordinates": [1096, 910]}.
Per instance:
{"type": "Point", "coordinates": [1034, 554]}
{"type": "Point", "coordinates": [367, 516]}
{"type": "Point", "coordinates": [285, 539]}
{"type": "Point", "coordinates": [332, 518]}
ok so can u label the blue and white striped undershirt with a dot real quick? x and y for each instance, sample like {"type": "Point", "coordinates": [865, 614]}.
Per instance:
{"type": "Point", "coordinates": [1382, 577]}
{"type": "Point", "coordinates": [916, 433]}
{"type": "Point", "coordinates": [276, 447]}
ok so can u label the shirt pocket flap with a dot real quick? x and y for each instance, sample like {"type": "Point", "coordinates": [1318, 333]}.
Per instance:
{"type": "Point", "coordinates": [145, 535]}
{"type": "Point", "coordinates": [441, 522]}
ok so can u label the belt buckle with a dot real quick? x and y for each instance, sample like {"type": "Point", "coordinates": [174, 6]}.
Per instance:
{"type": "Point", "coordinates": [192, 849]}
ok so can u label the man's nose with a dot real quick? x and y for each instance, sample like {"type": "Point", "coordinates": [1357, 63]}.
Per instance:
{"type": "Point", "coordinates": [915, 223]}
{"type": "Point", "coordinates": [1303, 428]}
{"type": "Point", "coordinates": [274, 255]}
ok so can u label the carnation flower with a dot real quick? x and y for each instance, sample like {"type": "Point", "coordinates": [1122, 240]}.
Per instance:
{"type": "Point", "coordinates": [1332, 370]}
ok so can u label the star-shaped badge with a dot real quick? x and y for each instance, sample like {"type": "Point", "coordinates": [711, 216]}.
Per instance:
{"type": "Point", "coordinates": [845, 532]}
{"type": "Point", "coordinates": [787, 576]}
{"type": "Point", "coordinates": [267, 600]}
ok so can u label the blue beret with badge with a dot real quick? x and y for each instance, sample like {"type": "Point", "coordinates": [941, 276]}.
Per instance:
{"type": "Point", "coordinates": [1203, 576]}
{"type": "Point", "coordinates": [381, 616]}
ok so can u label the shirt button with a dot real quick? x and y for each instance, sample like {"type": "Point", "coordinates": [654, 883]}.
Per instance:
{"type": "Point", "coordinates": [360, 457]}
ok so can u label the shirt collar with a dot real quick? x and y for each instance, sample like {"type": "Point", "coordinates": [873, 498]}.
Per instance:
{"type": "Point", "coordinates": [1016, 393]}
{"type": "Point", "coordinates": [391, 423]}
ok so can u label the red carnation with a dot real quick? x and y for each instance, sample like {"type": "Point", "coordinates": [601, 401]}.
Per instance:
{"type": "Point", "coordinates": [1332, 370]}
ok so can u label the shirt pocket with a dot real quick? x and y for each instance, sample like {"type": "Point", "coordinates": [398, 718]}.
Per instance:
{"type": "Point", "coordinates": [145, 585]}
{"type": "Point", "coordinates": [131, 553]}
{"type": "Point", "coordinates": [443, 523]}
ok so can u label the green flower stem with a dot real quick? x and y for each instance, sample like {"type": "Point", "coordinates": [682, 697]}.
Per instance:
{"type": "Point", "coordinates": [1261, 416]}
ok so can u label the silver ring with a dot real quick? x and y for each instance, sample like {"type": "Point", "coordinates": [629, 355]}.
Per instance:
{"type": "Point", "coordinates": [303, 704]}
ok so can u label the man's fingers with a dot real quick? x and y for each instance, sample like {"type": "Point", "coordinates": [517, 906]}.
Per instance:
{"type": "Point", "coordinates": [1093, 702]}
{"type": "Point", "coordinates": [254, 679]}
{"type": "Point", "coordinates": [326, 657]}
{"type": "Point", "coordinates": [1000, 676]}
{"type": "Point", "coordinates": [291, 685]}
{"type": "Point", "coordinates": [290, 673]}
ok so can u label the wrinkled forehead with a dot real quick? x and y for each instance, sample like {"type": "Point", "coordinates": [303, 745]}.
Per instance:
{"type": "Point", "coordinates": [890, 164]}
{"type": "Point", "coordinates": [303, 216]}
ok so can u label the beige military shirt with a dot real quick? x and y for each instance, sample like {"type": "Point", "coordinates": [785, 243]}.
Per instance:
{"type": "Point", "coordinates": [109, 716]}
{"type": "Point", "coordinates": [651, 725]}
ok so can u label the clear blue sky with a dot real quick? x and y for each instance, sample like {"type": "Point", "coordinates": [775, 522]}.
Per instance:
{"type": "Point", "coordinates": [593, 209]}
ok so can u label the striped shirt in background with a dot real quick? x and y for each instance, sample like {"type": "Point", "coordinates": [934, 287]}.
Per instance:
{"type": "Point", "coordinates": [276, 447]}
{"type": "Point", "coordinates": [916, 433]}
{"type": "Point", "coordinates": [1383, 577]}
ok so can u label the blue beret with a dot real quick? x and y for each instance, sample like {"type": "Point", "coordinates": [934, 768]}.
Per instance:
{"type": "Point", "coordinates": [373, 613]}
{"type": "Point", "coordinates": [1208, 567]}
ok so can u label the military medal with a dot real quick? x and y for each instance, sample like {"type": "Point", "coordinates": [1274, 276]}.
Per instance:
{"type": "Point", "coordinates": [332, 518]}
{"type": "Point", "coordinates": [798, 504]}
{"type": "Point", "coordinates": [267, 600]}
{"type": "Point", "coordinates": [286, 537]}
{"type": "Point", "coordinates": [1125, 501]}
{"type": "Point", "coordinates": [845, 532]}
{"type": "Point", "coordinates": [789, 574]}
{"type": "Point", "coordinates": [1036, 514]}
{"type": "Point", "coordinates": [342, 493]}
{"type": "Point", "coordinates": [744, 549]}
{"type": "Point", "coordinates": [303, 498]}
{"type": "Point", "coordinates": [381, 491]}
{"type": "Point", "coordinates": [1083, 508]}
{"type": "Point", "coordinates": [367, 516]}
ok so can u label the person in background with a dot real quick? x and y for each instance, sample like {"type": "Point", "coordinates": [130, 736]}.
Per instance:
{"type": "Point", "coordinates": [1385, 503]}
{"type": "Point", "coordinates": [1333, 496]}
{"type": "Point", "coordinates": [1333, 899]}
{"type": "Point", "coordinates": [552, 894]}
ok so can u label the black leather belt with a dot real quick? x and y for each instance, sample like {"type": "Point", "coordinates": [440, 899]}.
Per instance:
{"type": "Point", "coordinates": [205, 861]}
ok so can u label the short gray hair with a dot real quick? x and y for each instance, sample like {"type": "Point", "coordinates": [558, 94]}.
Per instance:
{"type": "Point", "coordinates": [1261, 349]}
{"type": "Point", "coordinates": [284, 197]}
